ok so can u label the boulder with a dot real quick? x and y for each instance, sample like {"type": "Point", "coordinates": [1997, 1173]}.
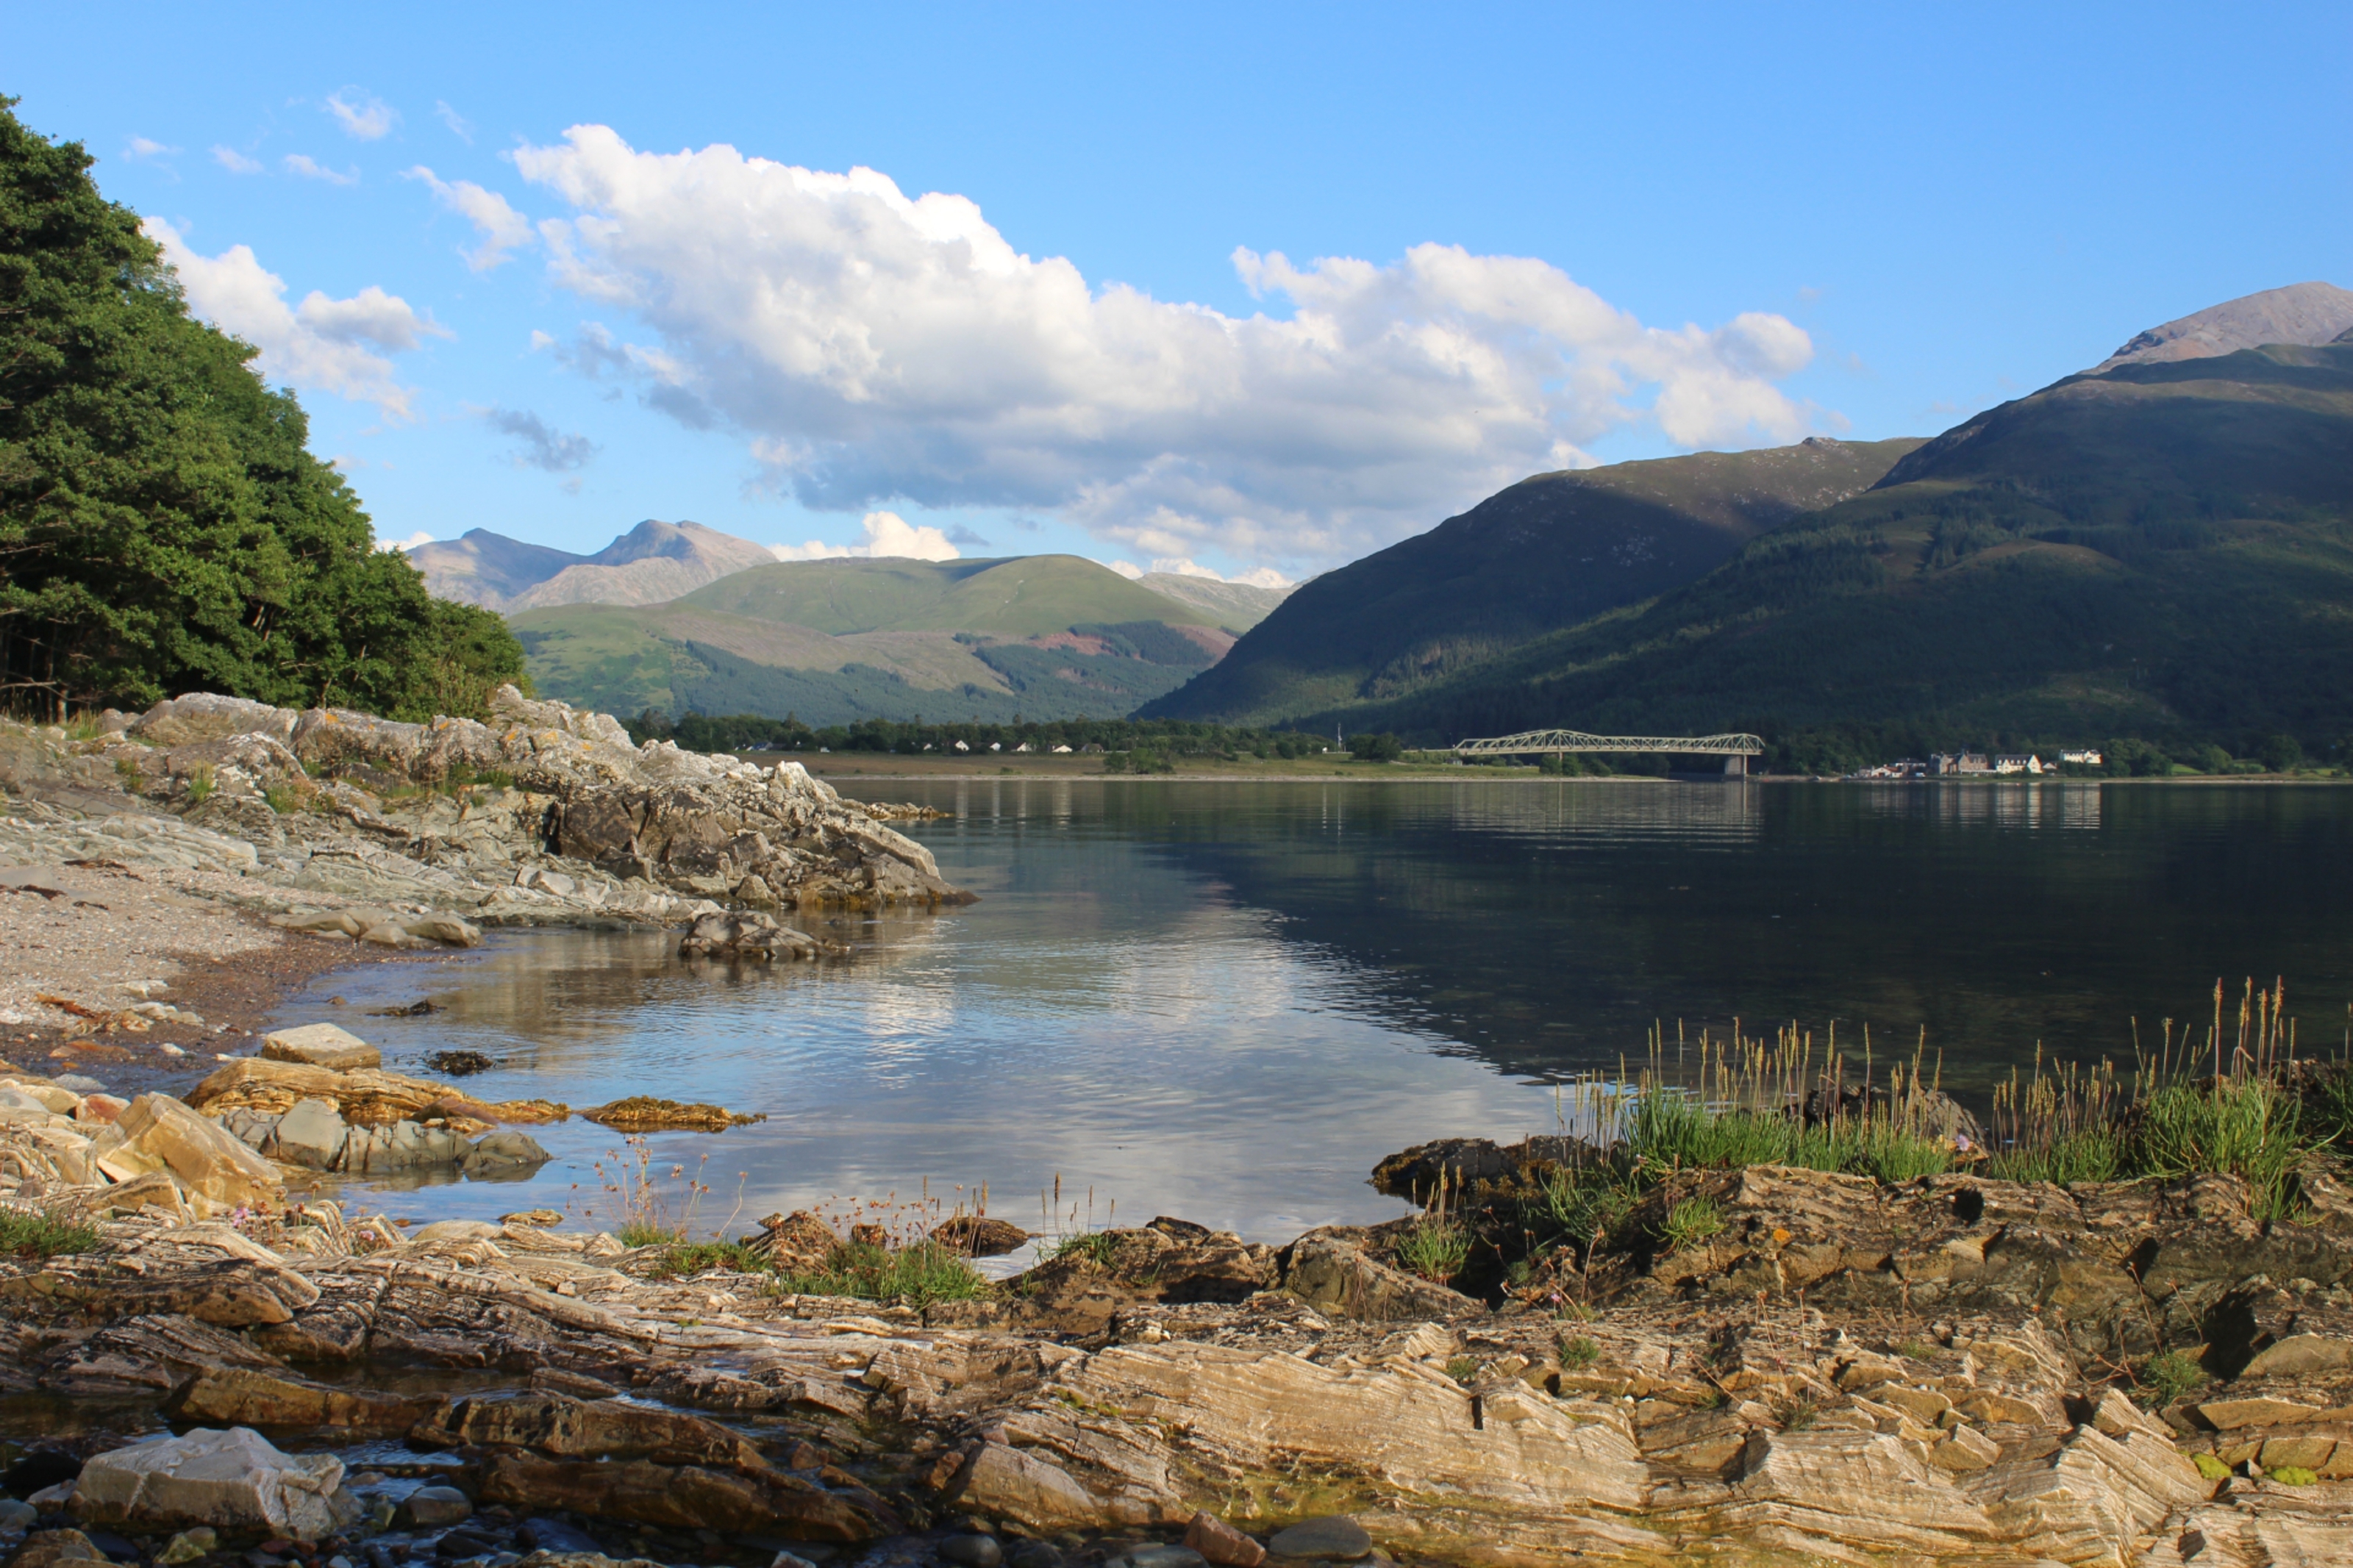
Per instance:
{"type": "Point", "coordinates": [1004, 1482]}
{"type": "Point", "coordinates": [247, 1396]}
{"type": "Point", "coordinates": [403, 1146]}
{"type": "Point", "coordinates": [565, 1427]}
{"type": "Point", "coordinates": [202, 716]}
{"type": "Point", "coordinates": [208, 1163]}
{"type": "Point", "coordinates": [1221, 1543]}
{"type": "Point", "coordinates": [1335, 1537]}
{"type": "Point", "coordinates": [977, 1236]}
{"type": "Point", "coordinates": [311, 1135]}
{"type": "Point", "coordinates": [1331, 1271]}
{"type": "Point", "coordinates": [233, 1480]}
{"type": "Point", "coordinates": [321, 1046]}
{"type": "Point", "coordinates": [506, 1153]}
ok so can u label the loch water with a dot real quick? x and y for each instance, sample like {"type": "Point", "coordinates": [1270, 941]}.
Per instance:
{"type": "Point", "coordinates": [1226, 1001]}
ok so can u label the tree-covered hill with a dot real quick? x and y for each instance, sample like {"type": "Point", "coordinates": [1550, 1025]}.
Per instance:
{"type": "Point", "coordinates": [2161, 551]}
{"type": "Point", "coordinates": [163, 526]}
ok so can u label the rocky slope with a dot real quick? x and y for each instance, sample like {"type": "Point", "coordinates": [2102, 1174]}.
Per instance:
{"type": "Point", "coordinates": [1929, 1371]}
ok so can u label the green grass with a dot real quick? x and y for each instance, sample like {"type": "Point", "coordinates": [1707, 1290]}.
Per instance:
{"type": "Point", "coordinates": [1919, 1350]}
{"type": "Point", "coordinates": [1674, 1130]}
{"type": "Point", "coordinates": [1693, 1220]}
{"type": "Point", "coordinates": [2239, 1127]}
{"type": "Point", "coordinates": [1434, 1247]}
{"type": "Point", "coordinates": [1462, 1369]}
{"type": "Point", "coordinates": [648, 1233]}
{"type": "Point", "coordinates": [916, 1276]}
{"type": "Point", "coordinates": [1092, 1246]}
{"type": "Point", "coordinates": [2172, 1374]}
{"type": "Point", "coordinates": [1578, 1353]}
{"type": "Point", "coordinates": [24, 1234]}
{"type": "Point", "coordinates": [2093, 1154]}
{"type": "Point", "coordinates": [700, 1256]}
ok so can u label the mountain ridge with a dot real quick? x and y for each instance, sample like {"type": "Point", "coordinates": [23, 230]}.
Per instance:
{"type": "Point", "coordinates": [652, 562]}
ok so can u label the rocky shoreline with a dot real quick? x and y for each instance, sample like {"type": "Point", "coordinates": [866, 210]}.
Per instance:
{"type": "Point", "coordinates": [144, 852]}
{"type": "Point", "coordinates": [1938, 1371]}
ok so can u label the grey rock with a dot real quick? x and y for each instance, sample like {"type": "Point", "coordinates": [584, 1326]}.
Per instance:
{"type": "Point", "coordinates": [1157, 1556]}
{"type": "Point", "coordinates": [972, 1550]}
{"type": "Point", "coordinates": [2306, 313]}
{"type": "Point", "coordinates": [14, 1515]}
{"type": "Point", "coordinates": [1337, 1537]}
{"type": "Point", "coordinates": [311, 1135]}
{"type": "Point", "coordinates": [504, 1152]}
{"type": "Point", "coordinates": [433, 1508]}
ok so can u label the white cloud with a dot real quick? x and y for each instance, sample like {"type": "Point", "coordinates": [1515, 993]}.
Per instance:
{"type": "Point", "coordinates": [309, 168]}
{"type": "Point", "coordinates": [887, 533]}
{"type": "Point", "coordinates": [459, 126]}
{"type": "Point", "coordinates": [411, 542]}
{"type": "Point", "coordinates": [366, 118]}
{"type": "Point", "coordinates": [503, 228]}
{"type": "Point", "coordinates": [1127, 569]}
{"type": "Point", "coordinates": [235, 162]}
{"type": "Point", "coordinates": [1258, 577]}
{"type": "Point", "coordinates": [315, 345]}
{"type": "Point", "coordinates": [874, 346]}
{"type": "Point", "coordinates": [141, 147]}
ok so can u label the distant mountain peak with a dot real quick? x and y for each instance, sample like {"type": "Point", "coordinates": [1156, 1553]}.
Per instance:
{"type": "Point", "coordinates": [652, 562]}
{"type": "Point", "coordinates": [2309, 314]}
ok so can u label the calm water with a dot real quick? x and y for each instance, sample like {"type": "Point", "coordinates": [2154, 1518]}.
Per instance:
{"type": "Point", "coordinates": [1226, 1001]}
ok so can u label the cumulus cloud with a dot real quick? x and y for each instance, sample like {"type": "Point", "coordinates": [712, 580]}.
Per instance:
{"type": "Point", "coordinates": [143, 147]}
{"type": "Point", "coordinates": [1127, 569]}
{"type": "Point", "coordinates": [403, 545]}
{"type": "Point", "coordinates": [539, 443]}
{"type": "Point", "coordinates": [503, 229]}
{"type": "Point", "coordinates": [887, 533]}
{"type": "Point", "coordinates": [235, 162]}
{"type": "Point", "coordinates": [309, 168]}
{"type": "Point", "coordinates": [319, 345]}
{"type": "Point", "coordinates": [365, 118]}
{"type": "Point", "coordinates": [874, 346]}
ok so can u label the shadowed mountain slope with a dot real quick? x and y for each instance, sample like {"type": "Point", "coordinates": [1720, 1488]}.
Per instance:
{"type": "Point", "coordinates": [1546, 553]}
{"type": "Point", "coordinates": [2161, 551]}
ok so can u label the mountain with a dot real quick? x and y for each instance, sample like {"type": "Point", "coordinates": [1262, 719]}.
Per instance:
{"type": "Point", "coordinates": [2310, 314]}
{"type": "Point", "coordinates": [1546, 553]}
{"type": "Point", "coordinates": [2159, 550]}
{"type": "Point", "coordinates": [1238, 606]}
{"type": "Point", "coordinates": [653, 562]}
{"type": "Point", "coordinates": [1047, 637]}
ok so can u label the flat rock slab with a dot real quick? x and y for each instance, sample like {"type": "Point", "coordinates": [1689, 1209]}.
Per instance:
{"type": "Point", "coordinates": [1339, 1538]}
{"type": "Point", "coordinates": [321, 1046]}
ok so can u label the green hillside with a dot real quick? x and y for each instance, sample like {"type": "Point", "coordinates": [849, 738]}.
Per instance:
{"type": "Point", "coordinates": [1547, 553]}
{"type": "Point", "coordinates": [1026, 596]}
{"type": "Point", "coordinates": [2163, 552]}
{"type": "Point", "coordinates": [1051, 636]}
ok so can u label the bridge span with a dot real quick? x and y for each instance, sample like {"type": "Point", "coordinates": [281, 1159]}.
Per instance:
{"type": "Point", "coordinates": [1736, 750]}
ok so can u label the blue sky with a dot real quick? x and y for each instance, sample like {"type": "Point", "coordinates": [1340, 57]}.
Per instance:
{"type": "Point", "coordinates": [1556, 234]}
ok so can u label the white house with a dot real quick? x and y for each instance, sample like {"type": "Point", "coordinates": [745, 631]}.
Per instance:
{"type": "Point", "coordinates": [2012, 763]}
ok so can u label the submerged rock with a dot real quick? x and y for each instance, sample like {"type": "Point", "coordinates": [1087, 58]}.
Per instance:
{"type": "Point", "coordinates": [644, 1113]}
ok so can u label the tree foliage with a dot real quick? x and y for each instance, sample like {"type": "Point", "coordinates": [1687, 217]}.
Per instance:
{"type": "Point", "coordinates": [163, 526]}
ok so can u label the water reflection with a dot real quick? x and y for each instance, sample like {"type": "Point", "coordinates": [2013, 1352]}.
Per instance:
{"type": "Point", "coordinates": [1227, 1001]}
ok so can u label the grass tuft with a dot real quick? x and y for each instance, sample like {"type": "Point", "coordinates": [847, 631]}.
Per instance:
{"type": "Point", "coordinates": [917, 1275]}
{"type": "Point", "coordinates": [26, 1233]}
{"type": "Point", "coordinates": [1693, 1220]}
{"type": "Point", "coordinates": [1435, 1247]}
{"type": "Point", "coordinates": [1578, 1353]}
{"type": "Point", "coordinates": [2172, 1374]}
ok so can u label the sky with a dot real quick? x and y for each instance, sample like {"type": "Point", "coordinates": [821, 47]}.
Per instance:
{"type": "Point", "coordinates": [1250, 290]}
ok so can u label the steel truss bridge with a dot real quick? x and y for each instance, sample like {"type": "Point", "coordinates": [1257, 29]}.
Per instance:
{"type": "Point", "coordinates": [1736, 750]}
